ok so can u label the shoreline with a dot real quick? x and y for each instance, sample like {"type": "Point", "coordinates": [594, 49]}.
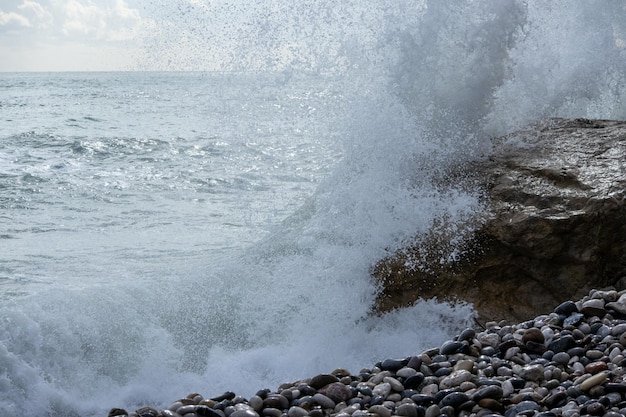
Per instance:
{"type": "Point", "coordinates": [567, 363]}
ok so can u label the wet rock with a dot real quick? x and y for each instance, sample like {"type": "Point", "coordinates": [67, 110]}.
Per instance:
{"type": "Point", "coordinates": [322, 380]}
{"type": "Point", "coordinates": [556, 229]}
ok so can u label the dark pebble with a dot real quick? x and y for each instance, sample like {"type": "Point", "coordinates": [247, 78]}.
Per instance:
{"type": "Point", "coordinates": [450, 347]}
{"type": "Point", "coordinates": [322, 380]}
{"type": "Point", "coordinates": [614, 387]}
{"type": "Point", "coordinates": [467, 334]}
{"type": "Point", "coordinates": [566, 308]}
{"type": "Point", "coordinates": [574, 320]}
{"type": "Point", "coordinates": [147, 412]}
{"type": "Point", "coordinates": [518, 383]}
{"type": "Point", "coordinates": [535, 347]}
{"type": "Point", "coordinates": [521, 407]}
{"type": "Point", "coordinates": [562, 344]}
{"type": "Point", "coordinates": [408, 393]}
{"type": "Point", "coordinates": [204, 411]}
{"type": "Point", "coordinates": [454, 400]}
{"type": "Point", "coordinates": [114, 412]}
{"type": "Point", "coordinates": [489, 391]}
{"type": "Point", "coordinates": [488, 351]}
{"type": "Point", "coordinates": [276, 401]}
{"type": "Point", "coordinates": [556, 400]}
{"type": "Point", "coordinates": [414, 381]}
{"type": "Point", "coordinates": [415, 362]}
{"type": "Point", "coordinates": [393, 364]}
{"type": "Point", "coordinates": [262, 393]}
{"type": "Point", "coordinates": [422, 399]}
{"type": "Point", "coordinates": [228, 395]}
{"type": "Point", "coordinates": [377, 400]}
{"type": "Point", "coordinates": [596, 409]}
{"type": "Point", "coordinates": [491, 404]}
{"type": "Point", "coordinates": [447, 411]}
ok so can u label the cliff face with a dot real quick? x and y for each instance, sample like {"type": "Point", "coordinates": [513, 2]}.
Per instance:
{"type": "Point", "coordinates": [556, 227]}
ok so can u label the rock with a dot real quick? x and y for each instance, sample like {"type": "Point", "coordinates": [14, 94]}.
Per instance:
{"type": "Point", "coordinates": [324, 401]}
{"type": "Point", "coordinates": [532, 372]}
{"type": "Point", "coordinates": [533, 335]}
{"type": "Point", "coordinates": [566, 308]}
{"type": "Point", "coordinates": [593, 307]}
{"type": "Point", "coordinates": [393, 364]}
{"type": "Point", "coordinates": [592, 381]}
{"type": "Point", "coordinates": [322, 380]}
{"type": "Point", "coordinates": [147, 412]}
{"type": "Point", "coordinates": [337, 392]}
{"type": "Point", "coordinates": [454, 399]}
{"type": "Point", "coordinates": [554, 227]}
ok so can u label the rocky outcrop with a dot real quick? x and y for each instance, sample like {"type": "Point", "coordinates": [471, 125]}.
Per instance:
{"type": "Point", "coordinates": [555, 227]}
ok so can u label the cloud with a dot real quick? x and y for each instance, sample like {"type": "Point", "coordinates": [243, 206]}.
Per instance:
{"type": "Point", "coordinates": [114, 21]}
{"type": "Point", "coordinates": [37, 34]}
{"type": "Point", "coordinates": [13, 19]}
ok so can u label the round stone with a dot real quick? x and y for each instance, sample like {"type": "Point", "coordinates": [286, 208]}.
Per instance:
{"type": "Point", "coordinates": [450, 347]}
{"type": "Point", "coordinates": [337, 392]}
{"type": "Point", "coordinates": [490, 404]}
{"type": "Point", "coordinates": [393, 364]}
{"type": "Point", "coordinates": [147, 412]}
{"type": "Point", "coordinates": [296, 411]}
{"type": "Point", "coordinates": [454, 400]}
{"type": "Point", "coordinates": [566, 308]}
{"type": "Point", "coordinates": [406, 372]}
{"type": "Point", "coordinates": [596, 409]}
{"type": "Point", "coordinates": [322, 380]}
{"type": "Point", "coordinates": [595, 367]}
{"type": "Point", "coordinates": [467, 334]}
{"type": "Point", "coordinates": [256, 403]}
{"type": "Point", "coordinates": [521, 407]}
{"type": "Point", "coordinates": [245, 413]}
{"type": "Point", "coordinates": [407, 410]}
{"type": "Point", "coordinates": [533, 335]}
{"type": "Point", "coordinates": [276, 401]}
{"type": "Point", "coordinates": [562, 344]}
{"type": "Point", "coordinates": [324, 401]}
{"type": "Point", "coordinates": [433, 411]}
{"type": "Point", "coordinates": [395, 384]}
{"type": "Point", "coordinates": [382, 390]}
{"type": "Point", "coordinates": [562, 358]}
{"type": "Point", "coordinates": [380, 410]}
{"type": "Point", "coordinates": [593, 307]}
{"type": "Point", "coordinates": [489, 391]}
{"type": "Point", "coordinates": [592, 381]}
{"type": "Point", "coordinates": [272, 412]}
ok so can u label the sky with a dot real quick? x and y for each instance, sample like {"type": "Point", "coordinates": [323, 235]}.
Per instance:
{"type": "Point", "coordinates": [71, 35]}
{"type": "Point", "coordinates": [104, 35]}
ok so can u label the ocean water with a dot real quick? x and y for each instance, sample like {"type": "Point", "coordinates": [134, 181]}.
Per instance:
{"type": "Point", "coordinates": [163, 233]}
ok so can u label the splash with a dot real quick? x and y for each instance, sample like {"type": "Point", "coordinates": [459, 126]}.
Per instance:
{"type": "Point", "coordinates": [424, 85]}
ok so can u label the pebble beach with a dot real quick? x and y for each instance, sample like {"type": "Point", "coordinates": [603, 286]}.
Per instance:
{"type": "Point", "coordinates": [567, 363]}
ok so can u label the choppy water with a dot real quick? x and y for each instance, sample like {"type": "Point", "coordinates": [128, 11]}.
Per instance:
{"type": "Point", "coordinates": [163, 233]}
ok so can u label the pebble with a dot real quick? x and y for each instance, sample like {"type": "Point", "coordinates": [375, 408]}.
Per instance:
{"type": "Point", "coordinates": [568, 363]}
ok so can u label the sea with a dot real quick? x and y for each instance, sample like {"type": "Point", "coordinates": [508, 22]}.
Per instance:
{"type": "Point", "coordinates": [170, 232]}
